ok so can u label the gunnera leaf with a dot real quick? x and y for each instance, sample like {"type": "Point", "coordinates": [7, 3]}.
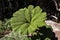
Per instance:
{"type": "Point", "coordinates": [27, 20]}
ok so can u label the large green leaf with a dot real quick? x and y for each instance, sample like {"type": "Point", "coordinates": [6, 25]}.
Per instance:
{"type": "Point", "coordinates": [27, 20]}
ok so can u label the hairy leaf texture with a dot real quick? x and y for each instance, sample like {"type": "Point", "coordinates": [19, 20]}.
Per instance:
{"type": "Point", "coordinates": [27, 20]}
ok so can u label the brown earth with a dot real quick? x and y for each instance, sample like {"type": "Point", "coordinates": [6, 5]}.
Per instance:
{"type": "Point", "coordinates": [57, 34]}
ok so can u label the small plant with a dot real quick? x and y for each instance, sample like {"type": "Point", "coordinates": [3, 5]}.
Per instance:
{"type": "Point", "coordinates": [4, 25]}
{"type": "Point", "coordinates": [15, 36]}
{"type": "Point", "coordinates": [27, 20]}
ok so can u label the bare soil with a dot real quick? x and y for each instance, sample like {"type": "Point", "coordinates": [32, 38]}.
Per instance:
{"type": "Point", "coordinates": [57, 34]}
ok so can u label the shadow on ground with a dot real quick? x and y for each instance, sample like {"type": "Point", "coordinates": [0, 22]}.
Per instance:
{"type": "Point", "coordinates": [44, 34]}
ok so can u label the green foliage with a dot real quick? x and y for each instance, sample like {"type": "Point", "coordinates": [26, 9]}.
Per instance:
{"type": "Point", "coordinates": [42, 35]}
{"type": "Point", "coordinates": [15, 36]}
{"type": "Point", "coordinates": [27, 20]}
{"type": "Point", "coordinates": [4, 25]}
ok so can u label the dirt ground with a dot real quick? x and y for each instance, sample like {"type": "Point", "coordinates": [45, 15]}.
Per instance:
{"type": "Point", "coordinates": [57, 34]}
